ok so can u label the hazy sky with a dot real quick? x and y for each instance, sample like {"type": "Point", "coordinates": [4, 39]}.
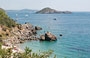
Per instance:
{"type": "Point", "coordinates": [71, 5]}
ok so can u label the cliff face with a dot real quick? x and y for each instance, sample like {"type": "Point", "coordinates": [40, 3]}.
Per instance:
{"type": "Point", "coordinates": [50, 11]}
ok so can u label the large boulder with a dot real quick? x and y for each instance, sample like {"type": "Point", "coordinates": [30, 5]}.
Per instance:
{"type": "Point", "coordinates": [48, 37]}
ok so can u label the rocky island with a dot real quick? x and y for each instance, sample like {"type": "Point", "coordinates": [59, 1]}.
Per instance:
{"type": "Point", "coordinates": [48, 10]}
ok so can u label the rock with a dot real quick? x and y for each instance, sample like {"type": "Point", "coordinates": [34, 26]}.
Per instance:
{"type": "Point", "coordinates": [48, 37]}
{"type": "Point", "coordinates": [38, 28]}
{"type": "Point", "coordinates": [34, 31]}
{"type": "Point", "coordinates": [27, 23]}
{"type": "Point", "coordinates": [42, 37]}
{"type": "Point", "coordinates": [21, 41]}
{"type": "Point", "coordinates": [27, 26]}
{"type": "Point", "coordinates": [60, 34]}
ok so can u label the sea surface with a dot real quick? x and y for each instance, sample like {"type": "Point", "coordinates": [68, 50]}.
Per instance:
{"type": "Point", "coordinates": [75, 28]}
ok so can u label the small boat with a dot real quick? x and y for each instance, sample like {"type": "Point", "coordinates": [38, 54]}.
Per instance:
{"type": "Point", "coordinates": [60, 34]}
{"type": "Point", "coordinates": [16, 14]}
{"type": "Point", "coordinates": [16, 17]}
{"type": "Point", "coordinates": [54, 19]}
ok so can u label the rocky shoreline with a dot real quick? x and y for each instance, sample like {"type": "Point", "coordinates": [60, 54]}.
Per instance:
{"type": "Point", "coordinates": [23, 33]}
{"type": "Point", "coordinates": [12, 33]}
{"type": "Point", "coordinates": [27, 32]}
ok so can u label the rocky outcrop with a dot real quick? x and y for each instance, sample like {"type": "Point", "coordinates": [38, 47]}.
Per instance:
{"type": "Point", "coordinates": [48, 37]}
{"type": "Point", "coordinates": [22, 33]}
{"type": "Point", "coordinates": [48, 10]}
{"type": "Point", "coordinates": [27, 32]}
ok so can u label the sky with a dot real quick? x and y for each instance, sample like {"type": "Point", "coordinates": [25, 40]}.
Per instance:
{"type": "Point", "coordinates": [61, 5]}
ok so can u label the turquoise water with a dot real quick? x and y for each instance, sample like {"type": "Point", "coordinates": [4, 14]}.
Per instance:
{"type": "Point", "coordinates": [75, 27]}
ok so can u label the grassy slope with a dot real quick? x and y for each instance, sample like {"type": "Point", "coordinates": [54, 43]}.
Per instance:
{"type": "Point", "coordinates": [6, 23]}
{"type": "Point", "coordinates": [5, 20]}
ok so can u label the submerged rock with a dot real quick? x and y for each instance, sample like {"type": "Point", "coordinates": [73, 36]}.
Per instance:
{"type": "Point", "coordinates": [48, 37]}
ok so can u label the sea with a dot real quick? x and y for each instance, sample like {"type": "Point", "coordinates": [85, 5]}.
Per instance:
{"type": "Point", "coordinates": [74, 27]}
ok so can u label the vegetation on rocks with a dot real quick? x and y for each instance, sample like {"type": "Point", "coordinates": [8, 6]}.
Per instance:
{"type": "Point", "coordinates": [6, 24]}
{"type": "Point", "coordinates": [6, 20]}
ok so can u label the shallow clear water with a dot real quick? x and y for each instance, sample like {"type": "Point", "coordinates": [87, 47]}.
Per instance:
{"type": "Point", "coordinates": [75, 28]}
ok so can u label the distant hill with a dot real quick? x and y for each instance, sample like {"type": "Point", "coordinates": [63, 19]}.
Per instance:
{"type": "Point", "coordinates": [48, 10]}
{"type": "Point", "coordinates": [5, 19]}
{"type": "Point", "coordinates": [28, 10]}
{"type": "Point", "coordinates": [22, 11]}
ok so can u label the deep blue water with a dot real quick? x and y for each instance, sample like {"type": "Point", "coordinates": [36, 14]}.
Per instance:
{"type": "Point", "coordinates": [75, 27]}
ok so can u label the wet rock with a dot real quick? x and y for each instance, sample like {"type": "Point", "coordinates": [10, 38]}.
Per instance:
{"type": "Point", "coordinates": [38, 28]}
{"type": "Point", "coordinates": [48, 37]}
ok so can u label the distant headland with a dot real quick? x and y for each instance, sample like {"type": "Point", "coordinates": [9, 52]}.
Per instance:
{"type": "Point", "coordinates": [48, 10]}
